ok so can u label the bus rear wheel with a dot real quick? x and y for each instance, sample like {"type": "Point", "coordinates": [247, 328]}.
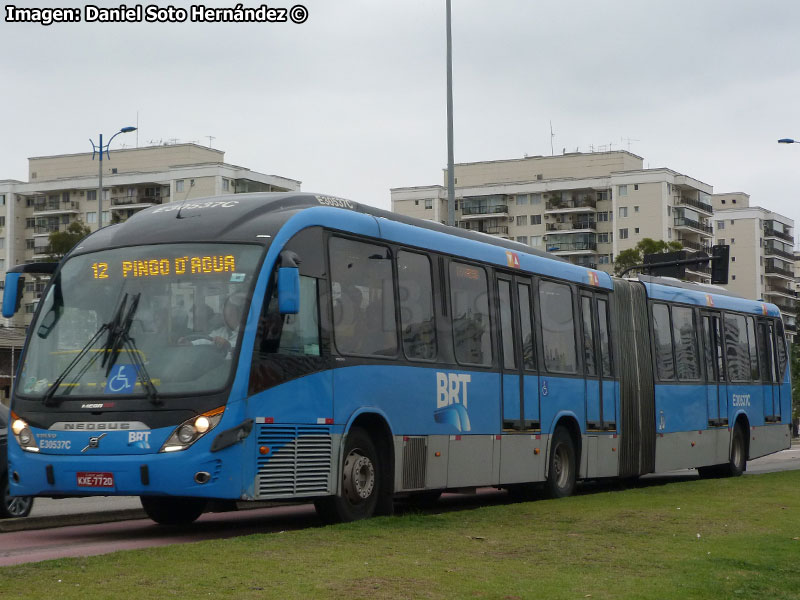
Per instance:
{"type": "Point", "coordinates": [562, 468]}
{"type": "Point", "coordinates": [737, 463]}
{"type": "Point", "coordinates": [360, 482]}
{"type": "Point", "coordinates": [169, 510]}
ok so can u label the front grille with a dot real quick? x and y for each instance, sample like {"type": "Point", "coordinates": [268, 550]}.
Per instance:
{"type": "Point", "coordinates": [299, 461]}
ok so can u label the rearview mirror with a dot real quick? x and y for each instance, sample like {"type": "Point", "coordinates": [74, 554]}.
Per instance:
{"type": "Point", "coordinates": [289, 290]}
{"type": "Point", "coordinates": [12, 294]}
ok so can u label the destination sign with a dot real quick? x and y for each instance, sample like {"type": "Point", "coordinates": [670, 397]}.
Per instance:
{"type": "Point", "coordinates": [160, 267]}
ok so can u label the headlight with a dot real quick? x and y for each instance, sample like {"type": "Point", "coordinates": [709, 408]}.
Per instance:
{"type": "Point", "coordinates": [23, 435]}
{"type": "Point", "coordinates": [191, 430]}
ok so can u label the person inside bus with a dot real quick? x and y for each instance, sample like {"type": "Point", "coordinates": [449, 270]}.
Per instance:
{"type": "Point", "coordinates": [225, 336]}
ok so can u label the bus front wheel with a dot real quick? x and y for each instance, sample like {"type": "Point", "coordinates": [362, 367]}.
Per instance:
{"type": "Point", "coordinates": [169, 510]}
{"type": "Point", "coordinates": [360, 481]}
{"type": "Point", "coordinates": [562, 467]}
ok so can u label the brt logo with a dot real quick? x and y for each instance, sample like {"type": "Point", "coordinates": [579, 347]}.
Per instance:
{"type": "Point", "coordinates": [451, 388]}
{"type": "Point", "coordinates": [451, 400]}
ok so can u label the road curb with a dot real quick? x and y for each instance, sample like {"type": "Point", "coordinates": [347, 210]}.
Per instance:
{"type": "Point", "coordinates": [51, 521]}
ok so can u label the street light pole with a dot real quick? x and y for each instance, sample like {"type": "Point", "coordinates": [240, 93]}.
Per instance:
{"type": "Point", "coordinates": [451, 192]}
{"type": "Point", "coordinates": [100, 148]}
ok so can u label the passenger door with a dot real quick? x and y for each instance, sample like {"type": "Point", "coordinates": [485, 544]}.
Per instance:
{"type": "Point", "coordinates": [770, 371]}
{"type": "Point", "coordinates": [716, 390]}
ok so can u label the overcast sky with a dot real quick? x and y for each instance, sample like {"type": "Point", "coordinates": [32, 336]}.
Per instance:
{"type": "Point", "coordinates": [352, 102]}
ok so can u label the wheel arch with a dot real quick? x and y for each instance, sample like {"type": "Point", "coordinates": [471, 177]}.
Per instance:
{"type": "Point", "coordinates": [375, 423]}
{"type": "Point", "coordinates": [570, 422]}
{"type": "Point", "coordinates": [741, 420]}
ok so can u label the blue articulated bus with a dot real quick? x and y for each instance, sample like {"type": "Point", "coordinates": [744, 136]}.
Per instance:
{"type": "Point", "coordinates": [304, 347]}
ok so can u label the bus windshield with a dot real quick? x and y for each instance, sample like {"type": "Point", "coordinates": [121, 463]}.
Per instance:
{"type": "Point", "coordinates": [159, 319]}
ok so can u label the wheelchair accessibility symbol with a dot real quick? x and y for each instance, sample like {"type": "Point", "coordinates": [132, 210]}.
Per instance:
{"type": "Point", "coordinates": [122, 379]}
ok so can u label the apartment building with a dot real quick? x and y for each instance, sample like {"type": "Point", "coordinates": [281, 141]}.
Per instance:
{"type": "Point", "coordinates": [63, 189]}
{"type": "Point", "coordinates": [585, 207]}
{"type": "Point", "coordinates": [762, 256]}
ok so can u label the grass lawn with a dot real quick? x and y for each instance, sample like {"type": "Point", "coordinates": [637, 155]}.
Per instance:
{"type": "Point", "coordinates": [728, 538]}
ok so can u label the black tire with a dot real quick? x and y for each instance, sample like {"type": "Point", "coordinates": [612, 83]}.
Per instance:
{"type": "Point", "coordinates": [562, 466]}
{"type": "Point", "coordinates": [360, 485]}
{"type": "Point", "coordinates": [737, 463]}
{"type": "Point", "coordinates": [171, 510]}
{"type": "Point", "coordinates": [13, 507]}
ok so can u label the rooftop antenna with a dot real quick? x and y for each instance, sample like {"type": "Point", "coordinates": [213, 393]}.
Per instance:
{"type": "Point", "coordinates": [137, 128]}
{"type": "Point", "coordinates": [211, 138]}
{"type": "Point", "coordinates": [629, 140]}
{"type": "Point", "coordinates": [552, 135]}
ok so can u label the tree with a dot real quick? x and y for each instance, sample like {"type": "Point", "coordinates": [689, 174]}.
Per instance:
{"type": "Point", "coordinates": [635, 256]}
{"type": "Point", "coordinates": [62, 242]}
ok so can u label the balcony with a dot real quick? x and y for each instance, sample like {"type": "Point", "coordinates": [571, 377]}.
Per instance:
{"type": "Point", "coordinates": [577, 205]}
{"type": "Point", "coordinates": [770, 232]}
{"type": "Point", "coordinates": [695, 204]}
{"type": "Point", "coordinates": [135, 202]}
{"type": "Point", "coordinates": [572, 247]}
{"type": "Point", "coordinates": [696, 246]}
{"type": "Point", "coordinates": [780, 290]}
{"type": "Point", "coordinates": [773, 251]}
{"type": "Point", "coordinates": [481, 212]}
{"type": "Point", "coordinates": [786, 307]}
{"type": "Point", "coordinates": [56, 208]}
{"type": "Point", "coordinates": [778, 271]}
{"type": "Point", "coordinates": [569, 226]}
{"type": "Point", "coordinates": [683, 223]}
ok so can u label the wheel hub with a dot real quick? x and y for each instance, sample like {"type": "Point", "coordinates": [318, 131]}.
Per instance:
{"type": "Point", "coordinates": [359, 477]}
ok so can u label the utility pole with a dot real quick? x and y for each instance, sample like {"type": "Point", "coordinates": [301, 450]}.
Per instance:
{"type": "Point", "coordinates": [451, 186]}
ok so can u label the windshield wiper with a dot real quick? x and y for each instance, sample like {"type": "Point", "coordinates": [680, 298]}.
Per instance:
{"type": "Point", "coordinates": [119, 338]}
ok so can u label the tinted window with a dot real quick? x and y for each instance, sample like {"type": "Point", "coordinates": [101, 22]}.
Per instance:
{"type": "Point", "coordinates": [605, 339]}
{"type": "Point", "coordinates": [665, 365]}
{"type": "Point", "coordinates": [416, 305]}
{"type": "Point", "coordinates": [470, 307]}
{"type": "Point", "coordinates": [558, 328]}
{"type": "Point", "coordinates": [708, 349]}
{"type": "Point", "coordinates": [736, 348]}
{"type": "Point", "coordinates": [363, 300]}
{"type": "Point", "coordinates": [751, 344]}
{"type": "Point", "coordinates": [765, 353]}
{"type": "Point", "coordinates": [506, 327]}
{"type": "Point", "coordinates": [588, 336]}
{"type": "Point", "coordinates": [781, 343]}
{"type": "Point", "coordinates": [526, 327]}
{"type": "Point", "coordinates": [683, 332]}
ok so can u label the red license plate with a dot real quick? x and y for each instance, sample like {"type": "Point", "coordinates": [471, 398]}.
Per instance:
{"type": "Point", "coordinates": [90, 479]}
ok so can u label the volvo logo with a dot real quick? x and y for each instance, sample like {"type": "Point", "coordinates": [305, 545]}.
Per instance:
{"type": "Point", "coordinates": [94, 441]}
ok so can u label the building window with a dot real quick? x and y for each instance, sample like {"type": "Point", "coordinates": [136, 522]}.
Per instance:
{"type": "Point", "coordinates": [179, 185]}
{"type": "Point", "coordinates": [91, 217]}
{"type": "Point", "coordinates": [536, 219]}
{"type": "Point", "coordinates": [225, 185]}
{"type": "Point", "coordinates": [623, 234]}
{"type": "Point", "coordinates": [669, 233]}
{"type": "Point", "coordinates": [723, 201]}
{"type": "Point", "coordinates": [669, 210]}
{"type": "Point", "coordinates": [635, 230]}
{"type": "Point", "coordinates": [720, 225]}
{"type": "Point", "coordinates": [636, 187]}
{"type": "Point", "coordinates": [635, 209]}
{"type": "Point", "coordinates": [623, 211]}
{"type": "Point", "coordinates": [29, 244]}
{"type": "Point", "coordinates": [733, 241]}
{"type": "Point", "coordinates": [30, 223]}
{"type": "Point", "coordinates": [535, 240]}
{"type": "Point", "coordinates": [721, 241]}
{"type": "Point", "coordinates": [733, 277]}
{"type": "Point", "coordinates": [416, 202]}
{"type": "Point", "coordinates": [733, 201]}
{"type": "Point", "coordinates": [91, 194]}
{"type": "Point", "coordinates": [733, 259]}
{"type": "Point", "coordinates": [602, 216]}
{"type": "Point", "coordinates": [2, 221]}
{"type": "Point", "coordinates": [428, 204]}
{"type": "Point", "coordinates": [623, 190]}
{"type": "Point", "coordinates": [2, 199]}
{"type": "Point", "coordinates": [536, 198]}
{"type": "Point", "coordinates": [522, 219]}
{"type": "Point", "coordinates": [522, 239]}
{"type": "Point", "coordinates": [731, 221]}
{"type": "Point", "coordinates": [522, 199]}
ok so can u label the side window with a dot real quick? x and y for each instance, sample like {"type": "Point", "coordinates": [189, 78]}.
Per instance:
{"type": "Point", "coordinates": [363, 298]}
{"type": "Point", "coordinates": [751, 343]}
{"type": "Point", "coordinates": [684, 333]}
{"type": "Point", "coordinates": [736, 348]}
{"type": "Point", "coordinates": [665, 365]}
{"type": "Point", "coordinates": [506, 324]}
{"type": "Point", "coordinates": [720, 356]}
{"type": "Point", "coordinates": [708, 349]}
{"type": "Point", "coordinates": [588, 336]}
{"type": "Point", "coordinates": [418, 328]}
{"type": "Point", "coordinates": [605, 338]}
{"type": "Point", "coordinates": [526, 327]}
{"type": "Point", "coordinates": [765, 353]}
{"type": "Point", "coordinates": [558, 327]}
{"type": "Point", "coordinates": [470, 309]}
{"type": "Point", "coordinates": [781, 343]}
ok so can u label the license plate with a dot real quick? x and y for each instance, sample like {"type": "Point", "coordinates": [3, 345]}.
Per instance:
{"type": "Point", "coordinates": [91, 479]}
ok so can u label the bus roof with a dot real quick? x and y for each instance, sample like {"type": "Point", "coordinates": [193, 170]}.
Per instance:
{"type": "Point", "coordinates": [257, 218]}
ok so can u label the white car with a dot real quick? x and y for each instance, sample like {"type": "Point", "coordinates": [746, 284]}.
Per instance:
{"type": "Point", "coordinates": [10, 506]}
